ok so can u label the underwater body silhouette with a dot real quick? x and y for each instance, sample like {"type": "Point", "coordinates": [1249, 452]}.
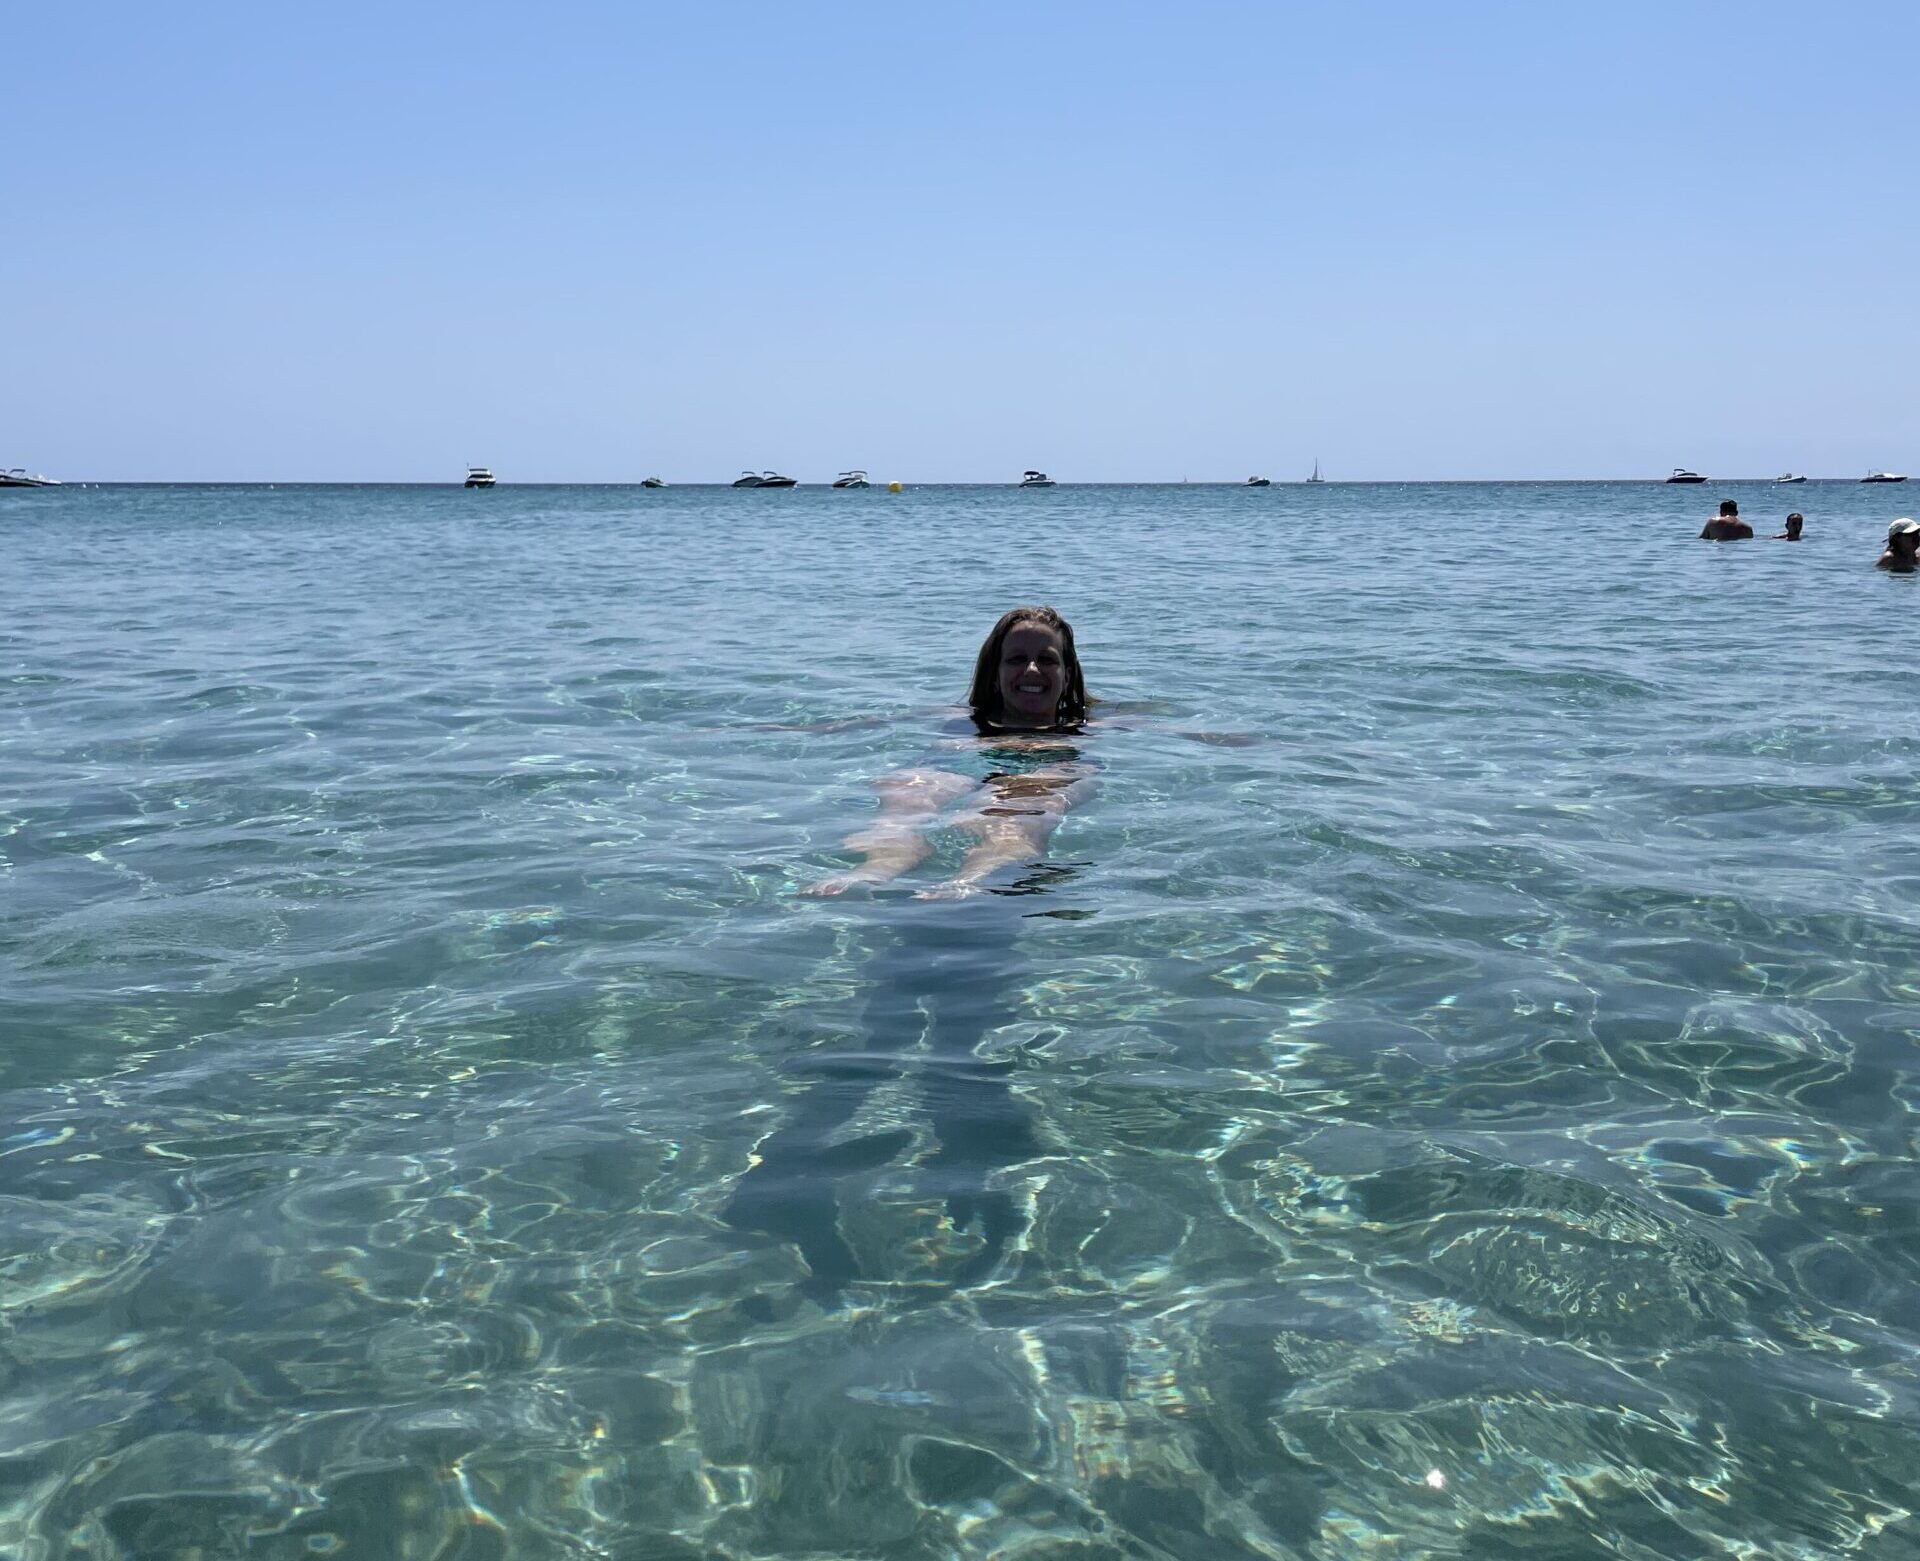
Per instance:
{"type": "Point", "coordinates": [944, 978]}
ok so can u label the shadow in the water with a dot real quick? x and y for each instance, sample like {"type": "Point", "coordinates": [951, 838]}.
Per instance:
{"type": "Point", "coordinates": [942, 979]}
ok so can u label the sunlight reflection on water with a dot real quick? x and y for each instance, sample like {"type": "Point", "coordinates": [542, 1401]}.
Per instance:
{"type": "Point", "coordinates": [1451, 1089]}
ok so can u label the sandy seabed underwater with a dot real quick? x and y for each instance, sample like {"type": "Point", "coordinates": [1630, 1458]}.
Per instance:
{"type": "Point", "coordinates": [1450, 1090]}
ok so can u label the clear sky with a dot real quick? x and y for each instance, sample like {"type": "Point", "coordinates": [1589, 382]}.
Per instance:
{"type": "Point", "coordinates": [1118, 241]}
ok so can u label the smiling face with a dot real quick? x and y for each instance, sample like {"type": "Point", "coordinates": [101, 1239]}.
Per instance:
{"type": "Point", "coordinates": [1032, 675]}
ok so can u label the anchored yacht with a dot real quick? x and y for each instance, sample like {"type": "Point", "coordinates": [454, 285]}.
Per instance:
{"type": "Point", "coordinates": [1681, 474]}
{"type": "Point", "coordinates": [1883, 477]}
{"type": "Point", "coordinates": [17, 478]}
{"type": "Point", "coordinates": [1788, 477]}
{"type": "Point", "coordinates": [1259, 482]}
{"type": "Point", "coordinates": [653, 482]}
{"type": "Point", "coordinates": [852, 479]}
{"type": "Point", "coordinates": [1033, 479]}
{"type": "Point", "coordinates": [479, 477]}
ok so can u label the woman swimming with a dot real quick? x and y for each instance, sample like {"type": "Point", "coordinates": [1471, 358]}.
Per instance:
{"type": "Point", "coordinates": [920, 1021]}
{"type": "Point", "coordinates": [1903, 548]}
{"type": "Point", "coordinates": [1028, 696]}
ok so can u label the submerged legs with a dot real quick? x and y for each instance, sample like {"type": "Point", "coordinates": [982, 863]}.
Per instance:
{"type": "Point", "coordinates": [896, 841]}
{"type": "Point", "coordinates": [938, 988]}
{"type": "Point", "coordinates": [1011, 823]}
{"type": "Point", "coordinates": [1011, 817]}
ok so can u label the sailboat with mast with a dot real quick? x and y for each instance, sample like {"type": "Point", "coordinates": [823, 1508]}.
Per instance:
{"type": "Point", "coordinates": [1316, 477]}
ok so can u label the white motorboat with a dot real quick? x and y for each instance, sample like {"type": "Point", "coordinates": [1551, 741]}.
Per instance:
{"type": "Point", "coordinates": [1884, 477]}
{"type": "Point", "coordinates": [1681, 474]}
{"type": "Point", "coordinates": [17, 477]}
{"type": "Point", "coordinates": [1259, 482]}
{"type": "Point", "coordinates": [479, 477]}
{"type": "Point", "coordinates": [852, 479]}
{"type": "Point", "coordinates": [1033, 479]}
{"type": "Point", "coordinates": [1788, 477]}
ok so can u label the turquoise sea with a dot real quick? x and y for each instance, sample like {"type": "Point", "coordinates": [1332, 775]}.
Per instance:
{"type": "Point", "coordinates": [1452, 1089]}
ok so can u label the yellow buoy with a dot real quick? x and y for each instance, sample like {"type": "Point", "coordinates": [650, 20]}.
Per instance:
{"type": "Point", "coordinates": [893, 487]}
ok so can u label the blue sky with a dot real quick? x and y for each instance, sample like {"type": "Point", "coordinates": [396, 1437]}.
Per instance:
{"type": "Point", "coordinates": [1121, 242]}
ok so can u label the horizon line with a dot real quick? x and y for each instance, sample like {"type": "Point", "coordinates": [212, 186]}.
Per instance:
{"type": "Point", "coordinates": [880, 485]}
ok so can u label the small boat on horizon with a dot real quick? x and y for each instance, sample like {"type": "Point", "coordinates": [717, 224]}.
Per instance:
{"type": "Point", "coordinates": [1681, 474]}
{"type": "Point", "coordinates": [1316, 477]}
{"type": "Point", "coordinates": [17, 477]}
{"type": "Point", "coordinates": [478, 477]}
{"type": "Point", "coordinates": [1788, 477]}
{"type": "Point", "coordinates": [762, 480]}
{"type": "Point", "coordinates": [1884, 477]}
{"type": "Point", "coordinates": [1259, 482]}
{"type": "Point", "coordinates": [1033, 479]}
{"type": "Point", "coordinates": [652, 482]}
{"type": "Point", "coordinates": [853, 479]}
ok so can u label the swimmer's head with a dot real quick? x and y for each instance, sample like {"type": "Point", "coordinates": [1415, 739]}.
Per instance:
{"type": "Point", "coordinates": [1903, 537]}
{"type": "Point", "coordinates": [1794, 523]}
{"type": "Point", "coordinates": [1028, 673]}
{"type": "Point", "coordinates": [1727, 507]}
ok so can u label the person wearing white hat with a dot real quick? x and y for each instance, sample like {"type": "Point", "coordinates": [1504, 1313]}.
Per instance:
{"type": "Point", "coordinates": [1903, 547]}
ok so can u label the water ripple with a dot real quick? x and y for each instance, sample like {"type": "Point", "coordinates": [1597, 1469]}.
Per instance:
{"type": "Point", "coordinates": [1451, 1091]}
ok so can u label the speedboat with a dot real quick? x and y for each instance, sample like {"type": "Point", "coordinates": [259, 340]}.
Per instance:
{"type": "Point", "coordinates": [1883, 477]}
{"type": "Point", "coordinates": [1259, 482]}
{"type": "Point", "coordinates": [747, 480]}
{"type": "Point", "coordinates": [479, 477]}
{"type": "Point", "coordinates": [1681, 474]}
{"type": "Point", "coordinates": [852, 479]}
{"type": "Point", "coordinates": [775, 480]}
{"type": "Point", "coordinates": [653, 482]}
{"type": "Point", "coordinates": [1788, 477]}
{"type": "Point", "coordinates": [1033, 479]}
{"type": "Point", "coordinates": [18, 478]}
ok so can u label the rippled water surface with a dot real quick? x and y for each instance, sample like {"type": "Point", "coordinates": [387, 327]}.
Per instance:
{"type": "Point", "coordinates": [1450, 1090]}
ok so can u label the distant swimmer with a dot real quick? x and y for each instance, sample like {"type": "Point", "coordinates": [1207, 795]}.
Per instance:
{"type": "Point", "coordinates": [1727, 526]}
{"type": "Point", "coordinates": [1792, 533]}
{"type": "Point", "coordinates": [1028, 700]}
{"type": "Point", "coordinates": [1903, 547]}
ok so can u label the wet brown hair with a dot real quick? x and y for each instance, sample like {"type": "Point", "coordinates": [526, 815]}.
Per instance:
{"type": "Point", "coordinates": [983, 698]}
